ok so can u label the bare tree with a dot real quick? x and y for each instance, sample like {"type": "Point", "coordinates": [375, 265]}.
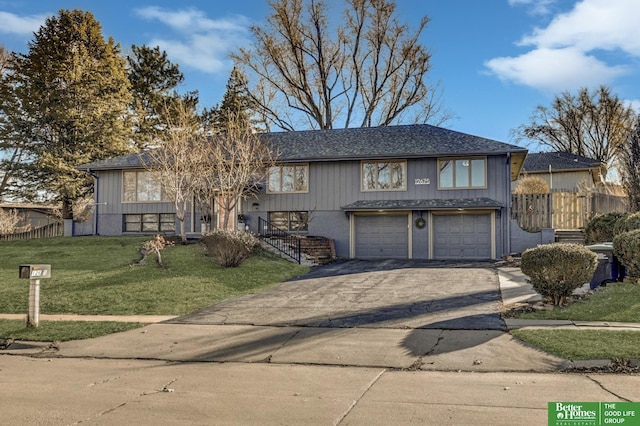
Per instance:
{"type": "Point", "coordinates": [629, 167]}
{"type": "Point", "coordinates": [175, 161]}
{"type": "Point", "coordinates": [236, 161]}
{"type": "Point", "coordinates": [368, 71]}
{"type": "Point", "coordinates": [592, 124]}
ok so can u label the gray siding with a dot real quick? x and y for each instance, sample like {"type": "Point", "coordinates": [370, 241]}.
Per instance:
{"type": "Point", "coordinates": [110, 207]}
{"type": "Point", "coordinates": [336, 184]}
{"type": "Point", "coordinates": [333, 185]}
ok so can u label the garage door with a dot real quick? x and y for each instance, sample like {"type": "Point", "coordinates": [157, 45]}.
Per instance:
{"type": "Point", "coordinates": [462, 236]}
{"type": "Point", "coordinates": [382, 237]}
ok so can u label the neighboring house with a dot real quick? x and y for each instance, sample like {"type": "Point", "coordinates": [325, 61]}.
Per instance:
{"type": "Point", "coordinates": [563, 171]}
{"type": "Point", "coordinates": [414, 191]}
{"type": "Point", "coordinates": [34, 215]}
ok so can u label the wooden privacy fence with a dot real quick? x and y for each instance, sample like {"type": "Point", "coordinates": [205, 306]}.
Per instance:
{"type": "Point", "coordinates": [55, 229]}
{"type": "Point", "coordinates": [562, 210]}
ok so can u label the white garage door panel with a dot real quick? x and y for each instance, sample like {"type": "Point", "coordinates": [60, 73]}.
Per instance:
{"type": "Point", "coordinates": [382, 237]}
{"type": "Point", "coordinates": [462, 236]}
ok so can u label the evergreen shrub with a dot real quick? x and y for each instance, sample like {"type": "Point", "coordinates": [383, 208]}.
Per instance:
{"type": "Point", "coordinates": [556, 270]}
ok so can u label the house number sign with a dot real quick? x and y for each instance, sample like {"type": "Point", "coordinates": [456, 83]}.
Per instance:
{"type": "Point", "coordinates": [422, 181]}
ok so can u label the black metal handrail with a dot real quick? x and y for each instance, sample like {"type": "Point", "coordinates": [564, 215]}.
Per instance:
{"type": "Point", "coordinates": [280, 239]}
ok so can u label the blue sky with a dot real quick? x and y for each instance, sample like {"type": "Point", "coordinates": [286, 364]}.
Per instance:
{"type": "Point", "coordinates": [495, 60]}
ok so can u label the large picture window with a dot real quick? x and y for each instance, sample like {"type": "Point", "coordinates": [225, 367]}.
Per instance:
{"type": "Point", "coordinates": [149, 222]}
{"type": "Point", "coordinates": [289, 178]}
{"type": "Point", "coordinates": [459, 173]}
{"type": "Point", "coordinates": [384, 175]}
{"type": "Point", "coordinates": [290, 221]}
{"type": "Point", "coordinates": [141, 186]}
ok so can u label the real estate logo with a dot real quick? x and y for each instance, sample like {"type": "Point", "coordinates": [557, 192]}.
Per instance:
{"type": "Point", "coordinates": [593, 413]}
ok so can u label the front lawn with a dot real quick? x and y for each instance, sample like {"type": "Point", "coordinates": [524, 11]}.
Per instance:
{"type": "Point", "coordinates": [584, 344]}
{"type": "Point", "coordinates": [93, 275]}
{"type": "Point", "coordinates": [617, 302]}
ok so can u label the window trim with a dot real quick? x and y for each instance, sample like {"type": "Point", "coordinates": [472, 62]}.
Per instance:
{"type": "Point", "coordinates": [163, 195]}
{"type": "Point", "coordinates": [469, 158]}
{"type": "Point", "coordinates": [305, 191]}
{"type": "Point", "coordinates": [158, 222]}
{"type": "Point", "coordinates": [404, 169]}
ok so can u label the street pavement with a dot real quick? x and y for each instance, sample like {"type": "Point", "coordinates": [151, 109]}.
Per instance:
{"type": "Point", "coordinates": [351, 343]}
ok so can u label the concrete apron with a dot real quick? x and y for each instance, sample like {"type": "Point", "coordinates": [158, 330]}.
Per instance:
{"type": "Point", "coordinates": [443, 319]}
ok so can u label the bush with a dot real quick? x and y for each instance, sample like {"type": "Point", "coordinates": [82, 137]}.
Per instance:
{"type": "Point", "coordinates": [628, 222]}
{"type": "Point", "coordinates": [626, 247]}
{"type": "Point", "coordinates": [600, 228]}
{"type": "Point", "coordinates": [532, 185]}
{"type": "Point", "coordinates": [556, 270]}
{"type": "Point", "coordinates": [229, 247]}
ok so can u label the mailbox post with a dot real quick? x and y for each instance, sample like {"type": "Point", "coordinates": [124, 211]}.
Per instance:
{"type": "Point", "coordinates": [34, 273]}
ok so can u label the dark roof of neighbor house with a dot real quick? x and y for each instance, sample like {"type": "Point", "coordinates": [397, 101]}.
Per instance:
{"type": "Point", "coordinates": [405, 141]}
{"type": "Point", "coordinates": [540, 162]}
{"type": "Point", "coordinates": [427, 204]}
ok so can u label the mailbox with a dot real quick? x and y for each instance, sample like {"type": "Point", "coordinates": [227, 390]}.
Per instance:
{"type": "Point", "coordinates": [34, 272]}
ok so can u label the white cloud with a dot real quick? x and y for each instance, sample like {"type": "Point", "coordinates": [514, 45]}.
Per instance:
{"type": "Point", "coordinates": [21, 25]}
{"type": "Point", "coordinates": [536, 7]}
{"type": "Point", "coordinates": [568, 53]}
{"type": "Point", "coordinates": [198, 41]}
{"type": "Point", "coordinates": [555, 70]}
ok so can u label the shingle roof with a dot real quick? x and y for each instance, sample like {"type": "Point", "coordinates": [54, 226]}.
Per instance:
{"type": "Point", "coordinates": [420, 140]}
{"type": "Point", "coordinates": [540, 162]}
{"type": "Point", "coordinates": [429, 204]}
{"type": "Point", "coordinates": [406, 141]}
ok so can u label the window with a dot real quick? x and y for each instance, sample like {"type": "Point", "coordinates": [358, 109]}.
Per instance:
{"type": "Point", "coordinates": [384, 175]}
{"type": "Point", "coordinates": [141, 186]}
{"type": "Point", "coordinates": [149, 222]}
{"type": "Point", "coordinates": [289, 178]}
{"type": "Point", "coordinates": [290, 221]}
{"type": "Point", "coordinates": [462, 173]}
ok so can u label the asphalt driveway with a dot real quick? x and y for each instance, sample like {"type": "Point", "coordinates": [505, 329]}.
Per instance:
{"type": "Point", "coordinates": [403, 294]}
{"type": "Point", "coordinates": [398, 314]}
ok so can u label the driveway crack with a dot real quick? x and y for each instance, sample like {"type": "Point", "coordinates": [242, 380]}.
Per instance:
{"type": "Point", "coordinates": [359, 398]}
{"type": "Point", "coordinates": [604, 388]}
{"type": "Point", "coordinates": [268, 358]}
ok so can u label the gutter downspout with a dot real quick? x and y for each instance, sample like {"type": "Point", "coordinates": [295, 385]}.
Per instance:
{"type": "Point", "coordinates": [95, 201]}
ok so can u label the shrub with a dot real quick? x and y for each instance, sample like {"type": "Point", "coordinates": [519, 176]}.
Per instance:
{"type": "Point", "coordinates": [600, 228]}
{"type": "Point", "coordinates": [626, 247]}
{"type": "Point", "coordinates": [556, 270]}
{"type": "Point", "coordinates": [628, 222]}
{"type": "Point", "coordinates": [229, 248]}
{"type": "Point", "coordinates": [532, 185]}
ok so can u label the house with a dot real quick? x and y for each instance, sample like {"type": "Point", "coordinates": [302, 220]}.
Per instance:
{"type": "Point", "coordinates": [563, 171]}
{"type": "Point", "coordinates": [32, 215]}
{"type": "Point", "coordinates": [411, 191]}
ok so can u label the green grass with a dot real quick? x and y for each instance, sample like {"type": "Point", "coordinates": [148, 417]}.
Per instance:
{"type": "Point", "coordinates": [93, 275]}
{"type": "Point", "coordinates": [617, 302]}
{"type": "Point", "coordinates": [584, 344]}
{"type": "Point", "coordinates": [62, 331]}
